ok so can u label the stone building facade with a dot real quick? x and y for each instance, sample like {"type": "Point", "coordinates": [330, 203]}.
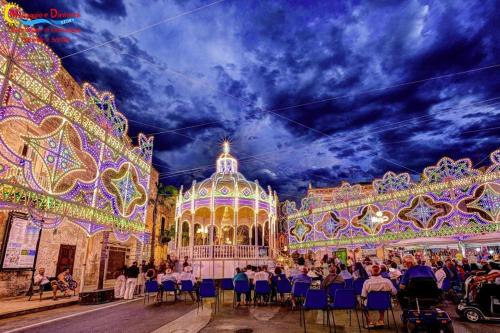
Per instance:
{"type": "Point", "coordinates": [67, 168]}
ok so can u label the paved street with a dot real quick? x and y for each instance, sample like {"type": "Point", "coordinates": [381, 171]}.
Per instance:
{"type": "Point", "coordinates": [134, 316]}
{"type": "Point", "coordinates": [127, 316]}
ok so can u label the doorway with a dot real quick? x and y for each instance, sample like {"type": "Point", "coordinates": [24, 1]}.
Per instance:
{"type": "Point", "coordinates": [116, 260]}
{"type": "Point", "coordinates": [66, 258]}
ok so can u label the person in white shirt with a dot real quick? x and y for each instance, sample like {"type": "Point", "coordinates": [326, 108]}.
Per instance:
{"type": "Point", "coordinates": [187, 275]}
{"type": "Point", "coordinates": [168, 276]}
{"type": "Point", "coordinates": [120, 283]}
{"type": "Point", "coordinates": [40, 278]}
{"type": "Point", "coordinates": [261, 275]}
{"type": "Point", "coordinates": [394, 272]}
{"type": "Point", "coordinates": [440, 274]}
{"type": "Point", "coordinates": [345, 273]}
{"type": "Point", "coordinates": [376, 283]}
{"type": "Point", "coordinates": [250, 274]}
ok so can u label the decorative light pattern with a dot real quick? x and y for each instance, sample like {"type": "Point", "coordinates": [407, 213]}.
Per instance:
{"type": "Point", "coordinates": [424, 211]}
{"type": "Point", "coordinates": [392, 182]}
{"type": "Point", "coordinates": [123, 186]}
{"type": "Point", "coordinates": [66, 156]}
{"type": "Point", "coordinates": [371, 219]}
{"type": "Point", "coordinates": [300, 230]}
{"type": "Point", "coordinates": [203, 192]}
{"type": "Point", "coordinates": [485, 203]}
{"type": "Point", "coordinates": [451, 200]}
{"type": "Point", "coordinates": [331, 224]}
{"type": "Point", "coordinates": [447, 169]}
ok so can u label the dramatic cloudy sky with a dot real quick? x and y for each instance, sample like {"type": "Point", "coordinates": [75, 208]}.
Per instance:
{"type": "Point", "coordinates": [307, 91]}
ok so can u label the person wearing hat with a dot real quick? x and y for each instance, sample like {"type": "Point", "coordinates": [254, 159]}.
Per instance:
{"type": "Point", "coordinates": [167, 276]}
{"type": "Point", "coordinates": [187, 275]}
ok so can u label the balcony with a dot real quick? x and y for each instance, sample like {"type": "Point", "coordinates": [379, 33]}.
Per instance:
{"type": "Point", "coordinates": [224, 252]}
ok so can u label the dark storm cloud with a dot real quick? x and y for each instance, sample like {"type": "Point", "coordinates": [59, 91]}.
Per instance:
{"type": "Point", "coordinates": [231, 62]}
{"type": "Point", "coordinates": [111, 9]}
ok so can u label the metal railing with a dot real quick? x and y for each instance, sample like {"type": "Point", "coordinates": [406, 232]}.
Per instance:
{"type": "Point", "coordinates": [223, 252]}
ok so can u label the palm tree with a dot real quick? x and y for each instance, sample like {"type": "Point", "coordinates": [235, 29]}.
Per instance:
{"type": "Point", "coordinates": [165, 196]}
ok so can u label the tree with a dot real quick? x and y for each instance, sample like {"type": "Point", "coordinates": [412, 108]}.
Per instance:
{"type": "Point", "coordinates": [165, 196]}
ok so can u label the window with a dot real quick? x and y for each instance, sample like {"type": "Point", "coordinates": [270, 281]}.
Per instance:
{"type": "Point", "coordinates": [162, 228]}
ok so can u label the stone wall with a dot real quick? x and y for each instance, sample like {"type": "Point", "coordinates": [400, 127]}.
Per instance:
{"type": "Point", "coordinates": [12, 283]}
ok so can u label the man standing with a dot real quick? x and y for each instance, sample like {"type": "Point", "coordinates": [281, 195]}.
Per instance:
{"type": "Point", "coordinates": [132, 274]}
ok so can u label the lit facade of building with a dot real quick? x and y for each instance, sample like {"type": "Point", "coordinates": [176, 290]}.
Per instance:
{"type": "Point", "coordinates": [452, 203]}
{"type": "Point", "coordinates": [225, 221]}
{"type": "Point", "coordinates": [70, 176]}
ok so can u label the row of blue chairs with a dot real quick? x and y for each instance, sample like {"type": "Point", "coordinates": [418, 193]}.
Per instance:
{"type": "Point", "coordinates": [345, 299]}
{"type": "Point", "coordinates": [153, 288]}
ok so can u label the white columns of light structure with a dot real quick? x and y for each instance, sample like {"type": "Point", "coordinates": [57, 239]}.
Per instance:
{"type": "Point", "coordinates": [193, 215]}
{"type": "Point", "coordinates": [270, 217]}
{"type": "Point", "coordinates": [236, 207]}
{"type": "Point", "coordinates": [178, 217]}
{"type": "Point", "coordinates": [212, 217]}
{"type": "Point", "coordinates": [255, 218]}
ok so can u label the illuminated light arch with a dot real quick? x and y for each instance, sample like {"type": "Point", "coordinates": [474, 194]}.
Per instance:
{"type": "Point", "coordinates": [452, 200]}
{"type": "Point", "coordinates": [88, 125]}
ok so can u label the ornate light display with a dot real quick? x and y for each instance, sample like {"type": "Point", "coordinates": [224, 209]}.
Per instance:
{"type": "Point", "coordinates": [64, 149]}
{"type": "Point", "coordinates": [233, 207]}
{"type": "Point", "coordinates": [452, 200]}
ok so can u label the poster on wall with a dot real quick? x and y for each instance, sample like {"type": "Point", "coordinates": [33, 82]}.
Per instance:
{"type": "Point", "coordinates": [342, 255]}
{"type": "Point", "coordinates": [20, 244]}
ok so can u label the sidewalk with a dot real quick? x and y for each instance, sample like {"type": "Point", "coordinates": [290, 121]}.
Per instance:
{"type": "Point", "coordinates": [16, 306]}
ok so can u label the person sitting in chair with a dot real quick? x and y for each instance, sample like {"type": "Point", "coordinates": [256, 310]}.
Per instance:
{"type": "Point", "coordinates": [60, 284]}
{"type": "Point", "coordinates": [187, 274]}
{"type": "Point", "coordinates": [72, 284]}
{"type": "Point", "coordinates": [376, 283]}
{"type": "Point", "coordinates": [40, 279]}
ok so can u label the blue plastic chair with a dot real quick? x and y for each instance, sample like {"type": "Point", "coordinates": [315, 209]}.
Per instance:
{"type": "Point", "coordinates": [208, 281]}
{"type": "Point", "coordinates": [345, 299]}
{"type": "Point", "coordinates": [299, 290]}
{"type": "Point", "coordinates": [283, 287]}
{"type": "Point", "coordinates": [226, 284]}
{"type": "Point", "coordinates": [446, 285]}
{"type": "Point", "coordinates": [186, 287]}
{"type": "Point", "coordinates": [207, 290]}
{"type": "Point", "coordinates": [262, 288]}
{"type": "Point", "coordinates": [169, 286]}
{"type": "Point", "coordinates": [380, 301]}
{"type": "Point", "coordinates": [348, 283]}
{"type": "Point", "coordinates": [395, 283]}
{"type": "Point", "coordinates": [241, 287]}
{"type": "Point", "coordinates": [316, 299]}
{"type": "Point", "coordinates": [332, 288]}
{"type": "Point", "coordinates": [357, 285]}
{"type": "Point", "coordinates": [151, 287]}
